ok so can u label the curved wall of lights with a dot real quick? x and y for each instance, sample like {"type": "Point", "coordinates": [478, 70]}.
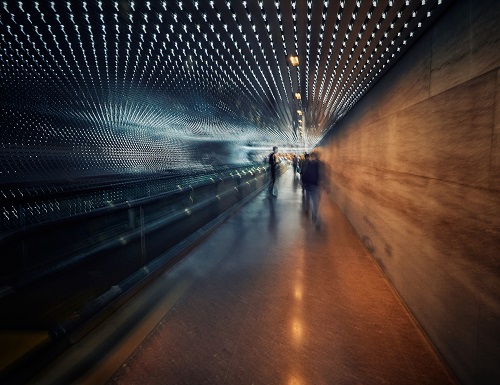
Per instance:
{"type": "Point", "coordinates": [121, 86]}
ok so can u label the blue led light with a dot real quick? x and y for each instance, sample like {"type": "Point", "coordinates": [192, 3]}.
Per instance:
{"type": "Point", "coordinates": [108, 87]}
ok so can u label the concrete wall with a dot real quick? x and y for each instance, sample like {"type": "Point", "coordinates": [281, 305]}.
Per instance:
{"type": "Point", "coordinates": [415, 166]}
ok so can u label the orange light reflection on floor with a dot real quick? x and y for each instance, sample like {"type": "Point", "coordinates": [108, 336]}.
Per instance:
{"type": "Point", "coordinates": [294, 380]}
{"type": "Point", "coordinates": [298, 292]}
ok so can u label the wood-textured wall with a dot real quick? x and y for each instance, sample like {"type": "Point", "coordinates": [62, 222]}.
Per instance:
{"type": "Point", "coordinates": [415, 166]}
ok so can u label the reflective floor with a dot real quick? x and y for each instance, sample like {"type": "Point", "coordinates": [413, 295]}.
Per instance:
{"type": "Point", "coordinates": [268, 298]}
{"type": "Point", "coordinates": [278, 301]}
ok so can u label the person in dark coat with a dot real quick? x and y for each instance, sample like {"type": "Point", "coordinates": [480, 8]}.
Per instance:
{"type": "Point", "coordinates": [302, 164]}
{"type": "Point", "coordinates": [295, 164]}
{"type": "Point", "coordinates": [273, 166]}
{"type": "Point", "coordinates": [311, 180]}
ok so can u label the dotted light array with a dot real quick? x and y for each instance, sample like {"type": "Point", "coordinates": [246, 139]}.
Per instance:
{"type": "Point", "coordinates": [99, 87]}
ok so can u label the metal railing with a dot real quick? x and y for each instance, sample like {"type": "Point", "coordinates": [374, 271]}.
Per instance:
{"type": "Point", "coordinates": [25, 206]}
{"type": "Point", "coordinates": [87, 221]}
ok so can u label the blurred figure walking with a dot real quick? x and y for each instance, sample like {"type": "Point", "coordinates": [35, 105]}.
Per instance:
{"type": "Point", "coordinates": [273, 166]}
{"type": "Point", "coordinates": [302, 163]}
{"type": "Point", "coordinates": [311, 180]}
{"type": "Point", "coordinates": [295, 164]}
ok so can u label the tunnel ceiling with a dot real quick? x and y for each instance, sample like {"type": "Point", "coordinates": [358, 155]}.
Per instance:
{"type": "Point", "coordinates": [104, 87]}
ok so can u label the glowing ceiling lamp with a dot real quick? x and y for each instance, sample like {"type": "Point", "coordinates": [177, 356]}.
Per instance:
{"type": "Point", "coordinates": [293, 60]}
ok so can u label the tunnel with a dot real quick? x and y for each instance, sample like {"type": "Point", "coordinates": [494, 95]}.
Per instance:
{"type": "Point", "coordinates": [132, 131]}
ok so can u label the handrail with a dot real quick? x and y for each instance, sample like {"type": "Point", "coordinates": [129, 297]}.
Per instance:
{"type": "Point", "coordinates": [103, 210]}
{"type": "Point", "coordinates": [50, 203]}
{"type": "Point", "coordinates": [52, 245]}
{"type": "Point", "coordinates": [69, 189]}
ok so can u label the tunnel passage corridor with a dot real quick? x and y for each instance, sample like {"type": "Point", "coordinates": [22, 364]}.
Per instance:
{"type": "Point", "coordinates": [267, 298]}
{"type": "Point", "coordinates": [402, 98]}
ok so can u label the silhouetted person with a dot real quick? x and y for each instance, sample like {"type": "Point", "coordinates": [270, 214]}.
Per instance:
{"type": "Point", "coordinates": [311, 179]}
{"type": "Point", "coordinates": [295, 164]}
{"type": "Point", "coordinates": [302, 163]}
{"type": "Point", "coordinates": [273, 166]}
